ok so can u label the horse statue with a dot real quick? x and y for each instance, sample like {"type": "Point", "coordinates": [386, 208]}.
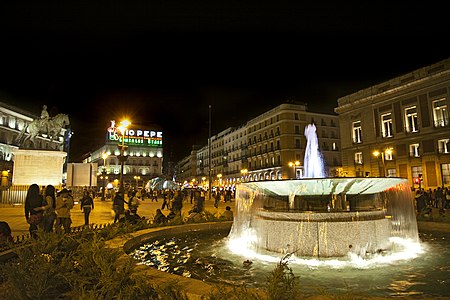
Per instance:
{"type": "Point", "coordinates": [51, 127]}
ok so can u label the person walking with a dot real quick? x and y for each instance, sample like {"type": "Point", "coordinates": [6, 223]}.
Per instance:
{"type": "Point", "coordinates": [50, 208]}
{"type": "Point", "coordinates": [64, 203]}
{"type": "Point", "coordinates": [87, 204]}
{"type": "Point", "coordinates": [34, 208]}
{"type": "Point", "coordinates": [119, 204]}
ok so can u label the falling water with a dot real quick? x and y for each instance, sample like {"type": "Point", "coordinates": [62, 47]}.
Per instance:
{"type": "Point", "coordinates": [324, 217]}
{"type": "Point", "coordinates": [313, 163]}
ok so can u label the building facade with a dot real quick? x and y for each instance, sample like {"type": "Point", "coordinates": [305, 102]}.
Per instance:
{"type": "Point", "coordinates": [13, 121]}
{"type": "Point", "coordinates": [269, 147]}
{"type": "Point", "coordinates": [399, 128]}
{"type": "Point", "coordinates": [143, 153]}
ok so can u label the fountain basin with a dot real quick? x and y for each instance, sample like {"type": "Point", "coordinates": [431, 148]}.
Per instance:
{"type": "Point", "coordinates": [327, 217]}
{"type": "Point", "coordinates": [322, 234]}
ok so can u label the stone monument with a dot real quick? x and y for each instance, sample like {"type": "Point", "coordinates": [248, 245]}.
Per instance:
{"type": "Point", "coordinates": [40, 166]}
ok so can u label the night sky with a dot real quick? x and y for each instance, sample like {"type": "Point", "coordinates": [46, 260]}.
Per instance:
{"type": "Point", "coordinates": [161, 62]}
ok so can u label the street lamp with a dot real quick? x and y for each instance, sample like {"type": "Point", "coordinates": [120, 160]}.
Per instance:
{"type": "Point", "coordinates": [137, 179]}
{"type": "Point", "coordinates": [104, 156]}
{"type": "Point", "coordinates": [244, 173]}
{"type": "Point", "coordinates": [204, 182]}
{"type": "Point", "coordinates": [383, 153]}
{"type": "Point", "coordinates": [294, 165]}
{"type": "Point", "coordinates": [123, 127]}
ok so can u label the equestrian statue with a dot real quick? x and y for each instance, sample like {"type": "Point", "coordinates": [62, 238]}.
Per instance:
{"type": "Point", "coordinates": [51, 126]}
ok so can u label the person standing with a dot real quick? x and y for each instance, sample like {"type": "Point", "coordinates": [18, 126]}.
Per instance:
{"type": "Point", "coordinates": [119, 204]}
{"type": "Point", "coordinates": [64, 203]}
{"type": "Point", "coordinates": [34, 208]}
{"type": "Point", "coordinates": [165, 202]}
{"type": "Point", "coordinates": [49, 212]}
{"type": "Point", "coordinates": [216, 197]}
{"type": "Point", "coordinates": [87, 204]}
{"type": "Point", "coordinates": [133, 202]}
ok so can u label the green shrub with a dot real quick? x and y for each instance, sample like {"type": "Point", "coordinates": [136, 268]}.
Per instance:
{"type": "Point", "coordinates": [281, 282]}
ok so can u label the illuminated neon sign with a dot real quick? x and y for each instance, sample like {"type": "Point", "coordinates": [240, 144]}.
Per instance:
{"type": "Point", "coordinates": [135, 137]}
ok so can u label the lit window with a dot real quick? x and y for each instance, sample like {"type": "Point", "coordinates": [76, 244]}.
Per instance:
{"type": "Point", "coordinates": [357, 132]}
{"type": "Point", "coordinates": [440, 113]}
{"type": "Point", "coordinates": [386, 123]}
{"type": "Point", "coordinates": [445, 168]}
{"type": "Point", "coordinates": [388, 154]}
{"type": "Point", "coordinates": [444, 146]}
{"type": "Point", "coordinates": [334, 146]}
{"type": "Point", "coordinates": [414, 150]}
{"type": "Point", "coordinates": [359, 158]}
{"type": "Point", "coordinates": [411, 119]}
{"type": "Point", "coordinates": [391, 173]}
{"type": "Point", "coordinates": [416, 171]}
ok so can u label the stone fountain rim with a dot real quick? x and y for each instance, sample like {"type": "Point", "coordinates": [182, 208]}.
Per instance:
{"type": "Point", "coordinates": [194, 288]}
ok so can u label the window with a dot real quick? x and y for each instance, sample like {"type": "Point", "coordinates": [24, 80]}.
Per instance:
{"type": "Point", "coordinates": [445, 170]}
{"type": "Point", "coordinates": [295, 116]}
{"type": "Point", "coordinates": [388, 154]}
{"type": "Point", "coordinates": [391, 173]}
{"type": "Point", "coordinates": [414, 150]}
{"type": "Point", "coordinates": [297, 129]}
{"type": "Point", "coordinates": [416, 171]}
{"type": "Point", "coordinates": [440, 113]}
{"type": "Point", "coordinates": [444, 146]}
{"type": "Point", "coordinates": [358, 158]}
{"type": "Point", "coordinates": [334, 146]}
{"type": "Point", "coordinates": [357, 132]}
{"type": "Point", "coordinates": [411, 119]}
{"type": "Point", "coordinates": [386, 123]}
{"type": "Point", "coordinates": [297, 143]}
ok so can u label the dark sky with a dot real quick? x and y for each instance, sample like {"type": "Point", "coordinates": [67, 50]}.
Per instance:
{"type": "Point", "coordinates": [161, 62]}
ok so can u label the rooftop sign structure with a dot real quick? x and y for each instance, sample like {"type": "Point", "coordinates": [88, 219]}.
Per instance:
{"type": "Point", "coordinates": [135, 136]}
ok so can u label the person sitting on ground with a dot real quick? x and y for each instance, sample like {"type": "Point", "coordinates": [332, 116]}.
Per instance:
{"type": "Point", "coordinates": [5, 233]}
{"type": "Point", "coordinates": [227, 214]}
{"type": "Point", "coordinates": [159, 218]}
{"type": "Point", "coordinates": [130, 217]}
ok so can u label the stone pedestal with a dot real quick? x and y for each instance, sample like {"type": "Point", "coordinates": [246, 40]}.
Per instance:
{"type": "Point", "coordinates": [42, 167]}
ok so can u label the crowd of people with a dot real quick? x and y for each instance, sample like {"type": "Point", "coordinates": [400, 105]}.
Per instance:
{"type": "Point", "coordinates": [49, 210]}
{"type": "Point", "coordinates": [438, 198]}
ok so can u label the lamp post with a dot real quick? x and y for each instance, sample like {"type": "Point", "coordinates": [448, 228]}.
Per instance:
{"type": "Point", "coordinates": [137, 179]}
{"type": "Point", "coordinates": [104, 156]}
{"type": "Point", "coordinates": [219, 176]}
{"type": "Point", "coordinates": [377, 153]}
{"type": "Point", "coordinates": [294, 165]}
{"type": "Point", "coordinates": [123, 127]}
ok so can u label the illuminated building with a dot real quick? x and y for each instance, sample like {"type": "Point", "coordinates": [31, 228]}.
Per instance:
{"type": "Point", "coordinates": [262, 148]}
{"type": "Point", "coordinates": [143, 152]}
{"type": "Point", "coordinates": [404, 119]}
{"type": "Point", "coordinates": [12, 121]}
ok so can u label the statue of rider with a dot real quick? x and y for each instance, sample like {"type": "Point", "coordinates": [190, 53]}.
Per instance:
{"type": "Point", "coordinates": [44, 118]}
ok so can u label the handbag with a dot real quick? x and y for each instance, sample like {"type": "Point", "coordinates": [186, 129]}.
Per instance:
{"type": "Point", "coordinates": [35, 219]}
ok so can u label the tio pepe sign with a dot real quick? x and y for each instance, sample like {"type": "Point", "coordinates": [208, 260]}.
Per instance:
{"type": "Point", "coordinates": [135, 137]}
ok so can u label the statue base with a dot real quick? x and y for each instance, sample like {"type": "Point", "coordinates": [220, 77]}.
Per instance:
{"type": "Point", "coordinates": [42, 167]}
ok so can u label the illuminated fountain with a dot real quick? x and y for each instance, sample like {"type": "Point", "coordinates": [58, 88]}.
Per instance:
{"type": "Point", "coordinates": [364, 227]}
{"type": "Point", "coordinates": [324, 217]}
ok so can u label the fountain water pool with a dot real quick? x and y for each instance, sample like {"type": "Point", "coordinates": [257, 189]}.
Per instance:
{"type": "Point", "coordinates": [204, 254]}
